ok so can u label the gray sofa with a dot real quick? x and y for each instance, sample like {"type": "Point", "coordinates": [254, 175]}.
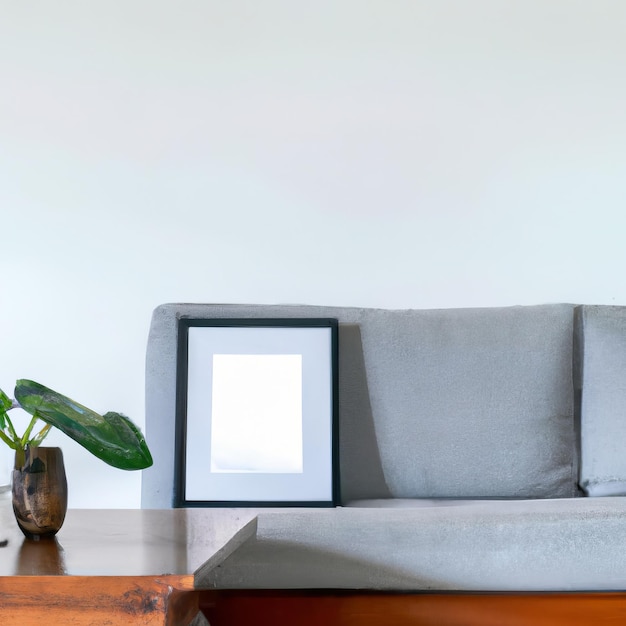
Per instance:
{"type": "Point", "coordinates": [480, 449]}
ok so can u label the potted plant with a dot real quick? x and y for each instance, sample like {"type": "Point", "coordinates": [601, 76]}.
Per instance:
{"type": "Point", "coordinates": [39, 486]}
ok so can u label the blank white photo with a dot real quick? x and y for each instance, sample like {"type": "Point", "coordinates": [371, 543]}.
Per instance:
{"type": "Point", "coordinates": [256, 424]}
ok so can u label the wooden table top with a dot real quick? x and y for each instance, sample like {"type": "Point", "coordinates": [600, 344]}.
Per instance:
{"type": "Point", "coordinates": [125, 542]}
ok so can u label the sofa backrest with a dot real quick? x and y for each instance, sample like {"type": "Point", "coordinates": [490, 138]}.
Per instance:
{"type": "Point", "coordinates": [458, 403]}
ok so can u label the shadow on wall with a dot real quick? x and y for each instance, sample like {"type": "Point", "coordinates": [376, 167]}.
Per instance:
{"type": "Point", "coordinates": [361, 469]}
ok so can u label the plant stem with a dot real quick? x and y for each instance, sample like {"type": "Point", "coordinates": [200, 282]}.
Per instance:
{"type": "Point", "coordinates": [8, 441]}
{"type": "Point", "coordinates": [40, 436]}
{"type": "Point", "coordinates": [31, 425]}
{"type": "Point", "coordinates": [20, 458]}
{"type": "Point", "coordinates": [12, 432]}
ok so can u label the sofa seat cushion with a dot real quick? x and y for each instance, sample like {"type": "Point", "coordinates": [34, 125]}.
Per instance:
{"type": "Point", "coordinates": [572, 544]}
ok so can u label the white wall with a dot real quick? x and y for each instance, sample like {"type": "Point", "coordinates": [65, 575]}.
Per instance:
{"type": "Point", "coordinates": [385, 153]}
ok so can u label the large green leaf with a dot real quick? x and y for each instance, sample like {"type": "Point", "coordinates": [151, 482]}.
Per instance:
{"type": "Point", "coordinates": [111, 437]}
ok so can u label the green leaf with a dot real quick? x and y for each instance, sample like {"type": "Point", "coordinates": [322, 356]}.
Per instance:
{"type": "Point", "coordinates": [5, 402]}
{"type": "Point", "coordinates": [5, 405]}
{"type": "Point", "coordinates": [112, 437]}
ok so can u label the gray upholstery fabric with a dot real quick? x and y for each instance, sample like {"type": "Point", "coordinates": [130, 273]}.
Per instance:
{"type": "Point", "coordinates": [603, 404]}
{"type": "Point", "coordinates": [572, 544]}
{"type": "Point", "coordinates": [473, 403]}
{"type": "Point", "coordinates": [436, 403]}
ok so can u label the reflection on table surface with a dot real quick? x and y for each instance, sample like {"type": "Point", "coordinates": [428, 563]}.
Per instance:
{"type": "Point", "coordinates": [131, 542]}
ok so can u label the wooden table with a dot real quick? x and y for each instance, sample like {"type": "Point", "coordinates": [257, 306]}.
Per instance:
{"type": "Point", "coordinates": [114, 566]}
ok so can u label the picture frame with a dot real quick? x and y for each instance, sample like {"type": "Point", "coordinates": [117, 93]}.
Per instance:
{"type": "Point", "coordinates": [256, 414]}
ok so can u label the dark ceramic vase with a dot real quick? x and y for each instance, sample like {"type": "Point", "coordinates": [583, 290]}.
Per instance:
{"type": "Point", "coordinates": [39, 491]}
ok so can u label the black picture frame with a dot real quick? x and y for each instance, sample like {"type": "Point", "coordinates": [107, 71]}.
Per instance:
{"type": "Point", "coordinates": [225, 369]}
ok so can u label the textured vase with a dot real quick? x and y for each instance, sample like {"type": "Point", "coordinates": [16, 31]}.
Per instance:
{"type": "Point", "coordinates": [39, 491]}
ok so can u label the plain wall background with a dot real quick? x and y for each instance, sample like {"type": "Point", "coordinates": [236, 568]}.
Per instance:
{"type": "Point", "coordinates": [383, 153]}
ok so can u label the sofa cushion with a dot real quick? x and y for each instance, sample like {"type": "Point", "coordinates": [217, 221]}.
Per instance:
{"type": "Point", "coordinates": [455, 403]}
{"type": "Point", "coordinates": [603, 402]}
{"type": "Point", "coordinates": [473, 402]}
